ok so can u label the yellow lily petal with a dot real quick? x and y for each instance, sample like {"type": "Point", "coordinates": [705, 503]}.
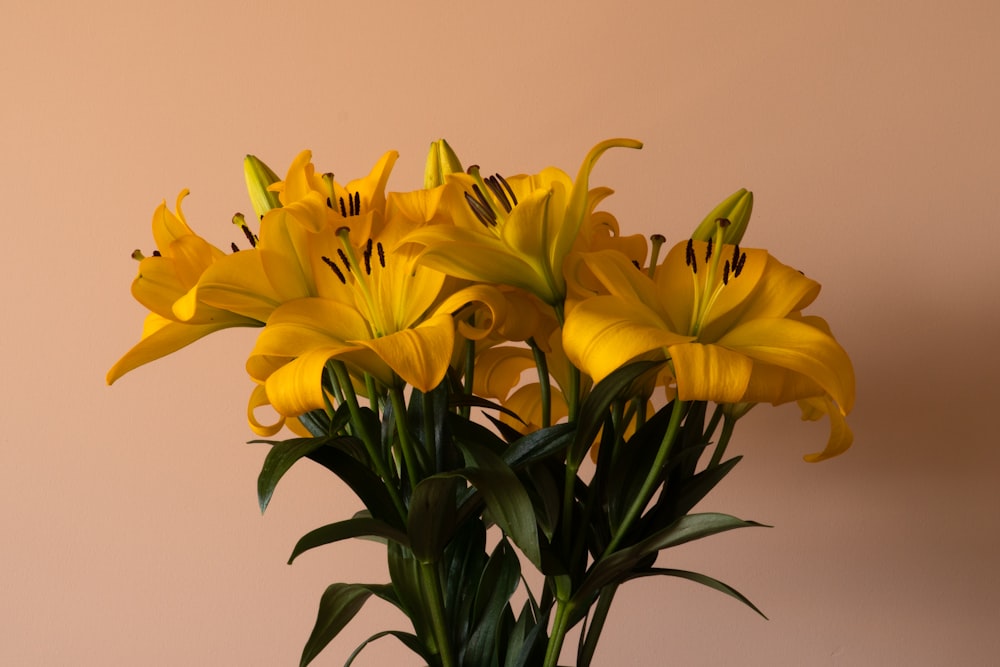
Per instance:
{"type": "Point", "coordinates": [798, 347]}
{"type": "Point", "coordinates": [603, 333]}
{"type": "Point", "coordinates": [420, 356]}
{"type": "Point", "coordinates": [160, 338]}
{"type": "Point", "coordinates": [841, 436]}
{"type": "Point", "coordinates": [709, 373]}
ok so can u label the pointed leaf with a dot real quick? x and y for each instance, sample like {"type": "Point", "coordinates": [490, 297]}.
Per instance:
{"type": "Point", "coordinates": [505, 496]}
{"type": "Point", "coordinates": [339, 604]}
{"type": "Point", "coordinates": [432, 517]}
{"type": "Point", "coordinates": [618, 566]}
{"type": "Point", "coordinates": [595, 407]}
{"type": "Point", "coordinates": [411, 642]}
{"type": "Point", "coordinates": [705, 580]}
{"type": "Point", "coordinates": [344, 530]}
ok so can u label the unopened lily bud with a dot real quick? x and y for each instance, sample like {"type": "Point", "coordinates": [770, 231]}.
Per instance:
{"type": "Point", "coordinates": [441, 161]}
{"type": "Point", "coordinates": [736, 209]}
{"type": "Point", "coordinates": [259, 176]}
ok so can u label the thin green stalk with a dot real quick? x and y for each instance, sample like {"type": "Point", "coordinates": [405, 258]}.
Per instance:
{"type": "Point", "coordinates": [544, 382]}
{"type": "Point", "coordinates": [403, 430]}
{"type": "Point", "coordinates": [652, 478]}
{"type": "Point", "coordinates": [431, 580]}
{"type": "Point", "coordinates": [430, 446]}
{"type": "Point", "coordinates": [589, 638]}
{"type": "Point", "coordinates": [727, 432]}
{"type": "Point", "coordinates": [559, 628]}
{"type": "Point", "coordinates": [380, 468]}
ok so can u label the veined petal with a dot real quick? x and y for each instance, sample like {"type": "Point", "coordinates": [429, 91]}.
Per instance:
{"type": "Point", "coordinates": [799, 347]}
{"type": "Point", "coordinates": [168, 227]}
{"type": "Point", "coordinates": [237, 283]}
{"type": "Point", "coordinates": [420, 356]}
{"type": "Point", "coordinates": [258, 399]}
{"type": "Point", "coordinates": [841, 436]}
{"type": "Point", "coordinates": [577, 204]}
{"type": "Point", "coordinates": [487, 301]}
{"type": "Point", "coordinates": [160, 338]}
{"type": "Point", "coordinates": [481, 260]}
{"type": "Point", "coordinates": [710, 373]}
{"type": "Point", "coordinates": [499, 369]}
{"type": "Point", "coordinates": [286, 253]}
{"type": "Point", "coordinates": [604, 332]}
{"type": "Point", "coordinates": [622, 280]}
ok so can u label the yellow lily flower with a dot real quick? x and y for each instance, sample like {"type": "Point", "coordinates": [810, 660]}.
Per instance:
{"type": "Point", "coordinates": [287, 260]}
{"type": "Point", "coordinates": [728, 320]}
{"type": "Point", "coordinates": [515, 232]}
{"type": "Point", "coordinates": [390, 318]}
{"type": "Point", "coordinates": [167, 284]}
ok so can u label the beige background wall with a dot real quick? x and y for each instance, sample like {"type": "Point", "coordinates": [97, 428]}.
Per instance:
{"type": "Point", "coordinates": [868, 131]}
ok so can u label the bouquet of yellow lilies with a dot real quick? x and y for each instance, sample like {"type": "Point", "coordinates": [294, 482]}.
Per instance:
{"type": "Point", "coordinates": [387, 318]}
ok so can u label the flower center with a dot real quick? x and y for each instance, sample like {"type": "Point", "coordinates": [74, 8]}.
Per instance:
{"type": "Point", "coordinates": [708, 288]}
{"type": "Point", "coordinates": [491, 211]}
{"type": "Point", "coordinates": [360, 283]}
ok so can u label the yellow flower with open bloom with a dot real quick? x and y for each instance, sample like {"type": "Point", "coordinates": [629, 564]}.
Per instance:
{"type": "Point", "coordinates": [286, 262]}
{"type": "Point", "coordinates": [387, 317]}
{"type": "Point", "coordinates": [167, 284]}
{"type": "Point", "coordinates": [729, 322]}
{"type": "Point", "coordinates": [515, 231]}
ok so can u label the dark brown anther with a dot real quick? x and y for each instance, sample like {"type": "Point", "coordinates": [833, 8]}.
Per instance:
{"type": "Point", "coordinates": [343, 210]}
{"type": "Point", "coordinates": [156, 253]}
{"type": "Point", "coordinates": [329, 203]}
{"type": "Point", "coordinates": [507, 187]}
{"type": "Point", "coordinates": [235, 247]}
{"type": "Point", "coordinates": [381, 254]}
{"type": "Point", "coordinates": [739, 266]}
{"type": "Point", "coordinates": [357, 203]}
{"type": "Point", "coordinates": [736, 255]}
{"type": "Point", "coordinates": [725, 273]}
{"type": "Point", "coordinates": [368, 258]}
{"type": "Point", "coordinates": [250, 237]}
{"type": "Point", "coordinates": [484, 214]}
{"type": "Point", "coordinates": [336, 269]}
{"type": "Point", "coordinates": [343, 258]}
{"type": "Point", "coordinates": [636, 264]}
{"type": "Point", "coordinates": [689, 258]}
{"type": "Point", "coordinates": [708, 250]}
{"type": "Point", "coordinates": [498, 192]}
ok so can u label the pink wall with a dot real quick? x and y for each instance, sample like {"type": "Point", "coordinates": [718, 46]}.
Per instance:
{"type": "Point", "coordinates": [868, 131]}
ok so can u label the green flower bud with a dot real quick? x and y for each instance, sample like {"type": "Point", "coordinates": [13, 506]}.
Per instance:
{"type": "Point", "coordinates": [441, 161]}
{"type": "Point", "coordinates": [736, 209]}
{"type": "Point", "coordinates": [259, 176]}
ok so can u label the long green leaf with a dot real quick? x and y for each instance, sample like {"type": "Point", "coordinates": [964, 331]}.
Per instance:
{"type": "Point", "coordinates": [432, 517]}
{"type": "Point", "coordinates": [595, 407]}
{"type": "Point", "coordinates": [703, 579]}
{"type": "Point", "coordinates": [339, 604]}
{"type": "Point", "coordinates": [344, 530]}
{"type": "Point", "coordinates": [498, 583]}
{"type": "Point", "coordinates": [409, 640]}
{"type": "Point", "coordinates": [279, 460]}
{"type": "Point", "coordinates": [618, 566]}
{"type": "Point", "coordinates": [505, 496]}
{"type": "Point", "coordinates": [538, 445]}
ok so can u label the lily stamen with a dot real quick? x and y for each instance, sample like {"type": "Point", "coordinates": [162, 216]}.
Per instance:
{"type": "Point", "coordinates": [336, 269]}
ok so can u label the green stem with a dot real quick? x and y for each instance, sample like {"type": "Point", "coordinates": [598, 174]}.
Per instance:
{"type": "Point", "coordinates": [727, 432]}
{"type": "Point", "coordinates": [588, 645]}
{"type": "Point", "coordinates": [432, 588]}
{"type": "Point", "coordinates": [559, 628]}
{"type": "Point", "coordinates": [652, 478]}
{"type": "Point", "coordinates": [405, 441]}
{"type": "Point", "coordinates": [544, 382]}
{"type": "Point", "coordinates": [430, 446]}
{"type": "Point", "coordinates": [359, 427]}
